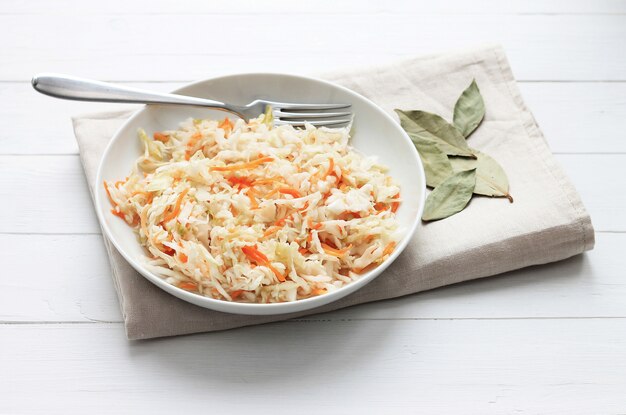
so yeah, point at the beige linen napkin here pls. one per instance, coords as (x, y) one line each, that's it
(546, 223)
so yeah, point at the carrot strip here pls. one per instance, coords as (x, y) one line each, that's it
(183, 258)
(271, 230)
(160, 137)
(236, 294)
(226, 125)
(243, 166)
(336, 252)
(251, 195)
(281, 222)
(257, 256)
(176, 210)
(389, 248)
(318, 291)
(190, 144)
(395, 205)
(290, 191)
(270, 194)
(118, 214)
(312, 225)
(381, 207)
(167, 250)
(188, 286)
(303, 251)
(242, 181)
(304, 207)
(364, 269)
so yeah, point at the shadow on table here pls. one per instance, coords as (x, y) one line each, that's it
(338, 342)
(270, 353)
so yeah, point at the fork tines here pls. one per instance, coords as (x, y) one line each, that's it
(318, 115)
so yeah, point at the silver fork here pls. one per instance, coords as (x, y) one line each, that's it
(69, 87)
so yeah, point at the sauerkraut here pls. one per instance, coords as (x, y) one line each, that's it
(256, 213)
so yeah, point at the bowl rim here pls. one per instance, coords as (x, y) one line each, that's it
(260, 308)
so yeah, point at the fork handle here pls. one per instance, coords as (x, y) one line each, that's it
(79, 89)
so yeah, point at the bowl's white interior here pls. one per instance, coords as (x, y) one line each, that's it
(374, 133)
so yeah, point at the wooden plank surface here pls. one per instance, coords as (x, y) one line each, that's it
(575, 117)
(287, 7)
(128, 47)
(556, 366)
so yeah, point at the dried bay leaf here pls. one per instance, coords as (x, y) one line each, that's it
(427, 126)
(469, 110)
(491, 180)
(451, 196)
(436, 164)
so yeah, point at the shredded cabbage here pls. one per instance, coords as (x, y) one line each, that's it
(253, 213)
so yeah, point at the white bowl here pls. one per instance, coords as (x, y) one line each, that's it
(374, 133)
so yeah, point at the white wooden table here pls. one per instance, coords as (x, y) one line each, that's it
(549, 339)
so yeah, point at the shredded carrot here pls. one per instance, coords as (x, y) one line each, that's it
(270, 194)
(304, 207)
(336, 252)
(236, 294)
(176, 210)
(118, 214)
(120, 182)
(369, 238)
(183, 258)
(257, 256)
(241, 181)
(243, 166)
(191, 144)
(167, 250)
(389, 248)
(281, 222)
(303, 251)
(364, 269)
(226, 125)
(270, 231)
(347, 215)
(318, 291)
(313, 225)
(395, 205)
(233, 210)
(160, 137)
(309, 238)
(290, 191)
(251, 194)
(188, 285)
(381, 207)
